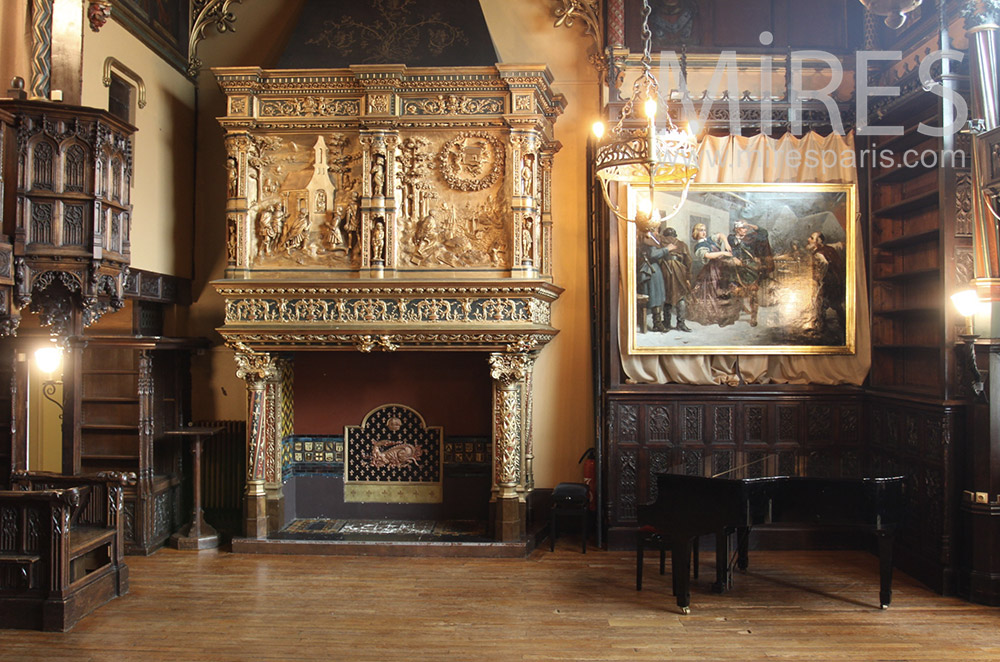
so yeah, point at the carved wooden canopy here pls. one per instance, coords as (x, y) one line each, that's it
(383, 207)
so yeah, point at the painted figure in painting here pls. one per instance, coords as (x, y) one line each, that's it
(675, 264)
(714, 297)
(829, 279)
(754, 263)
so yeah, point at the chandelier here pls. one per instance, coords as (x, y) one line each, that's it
(638, 154)
(895, 11)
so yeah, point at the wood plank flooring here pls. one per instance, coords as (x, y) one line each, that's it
(216, 606)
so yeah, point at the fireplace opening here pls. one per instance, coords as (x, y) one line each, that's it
(388, 444)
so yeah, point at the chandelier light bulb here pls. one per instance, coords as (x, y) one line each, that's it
(650, 108)
(598, 130)
(645, 204)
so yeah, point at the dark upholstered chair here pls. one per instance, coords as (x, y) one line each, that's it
(569, 501)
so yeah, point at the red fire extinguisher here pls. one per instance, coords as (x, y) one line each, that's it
(590, 476)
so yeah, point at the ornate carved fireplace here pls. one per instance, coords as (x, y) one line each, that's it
(384, 208)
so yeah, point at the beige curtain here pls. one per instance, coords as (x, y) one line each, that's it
(760, 159)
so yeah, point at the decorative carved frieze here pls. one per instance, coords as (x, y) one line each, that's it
(454, 104)
(362, 342)
(309, 106)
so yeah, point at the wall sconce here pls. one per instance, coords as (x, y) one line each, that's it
(48, 359)
(968, 304)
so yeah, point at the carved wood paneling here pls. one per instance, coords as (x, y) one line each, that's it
(915, 440)
(753, 421)
(724, 423)
(785, 434)
(658, 424)
(788, 423)
(693, 417)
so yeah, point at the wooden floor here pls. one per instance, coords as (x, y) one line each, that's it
(216, 606)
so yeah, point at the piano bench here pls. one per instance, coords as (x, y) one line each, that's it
(569, 500)
(648, 536)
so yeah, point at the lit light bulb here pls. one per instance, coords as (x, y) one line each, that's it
(966, 301)
(645, 204)
(598, 130)
(650, 108)
(48, 359)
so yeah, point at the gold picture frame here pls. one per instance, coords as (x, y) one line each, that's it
(772, 272)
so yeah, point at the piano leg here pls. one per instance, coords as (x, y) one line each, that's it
(743, 548)
(680, 561)
(640, 544)
(885, 568)
(695, 551)
(722, 578)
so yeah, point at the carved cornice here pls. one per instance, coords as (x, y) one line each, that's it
(292, 339)
(417, 88)
(380, 309)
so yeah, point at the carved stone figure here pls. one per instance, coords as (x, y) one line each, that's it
(378, 175)
(426, 234)
(351, 222)
(527, 238)
(330, 232)
(296, 231)
(231, 169)
(378, 241)
(269, 222)
(527, 177)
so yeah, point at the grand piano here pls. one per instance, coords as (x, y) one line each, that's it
(688, 507)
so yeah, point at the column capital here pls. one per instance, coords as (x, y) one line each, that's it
(508, 369)
(253, 366)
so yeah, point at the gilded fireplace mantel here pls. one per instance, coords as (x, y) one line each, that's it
(511, 315)
(387, 208)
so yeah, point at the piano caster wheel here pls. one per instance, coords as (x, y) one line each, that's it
(685, 610)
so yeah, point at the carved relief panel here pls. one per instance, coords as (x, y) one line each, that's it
(387, 169)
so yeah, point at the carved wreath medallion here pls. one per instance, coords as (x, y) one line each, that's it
(472, 161)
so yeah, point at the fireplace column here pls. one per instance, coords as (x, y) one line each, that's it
(278, 416)
(512, 479)
(257, 369)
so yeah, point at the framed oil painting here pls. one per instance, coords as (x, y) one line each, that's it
(744, 269)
